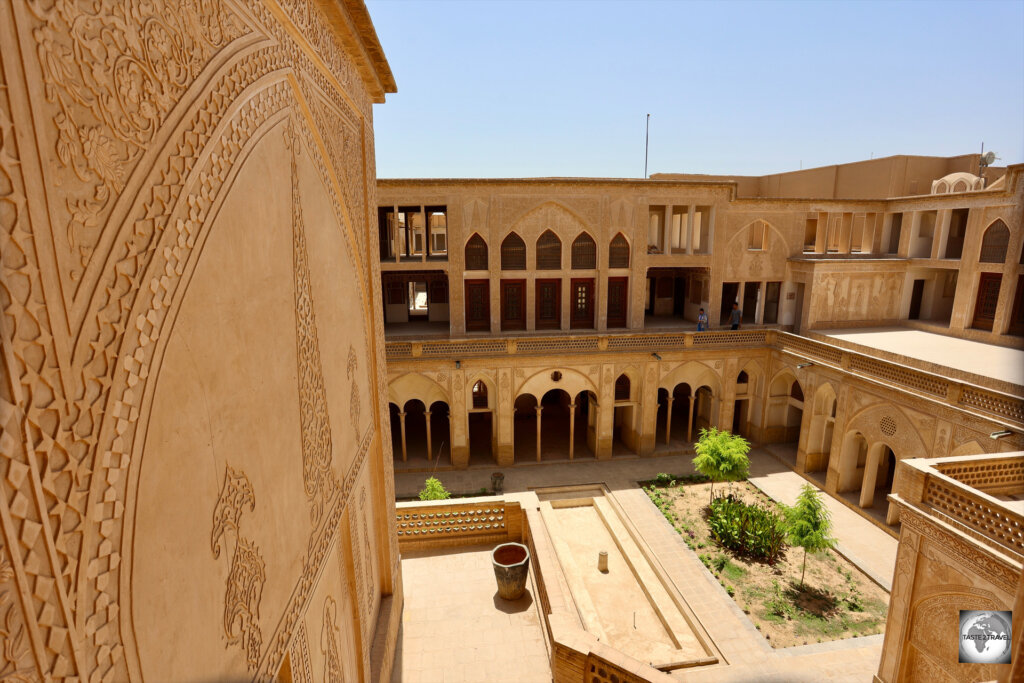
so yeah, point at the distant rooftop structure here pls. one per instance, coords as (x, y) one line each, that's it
(895, 176)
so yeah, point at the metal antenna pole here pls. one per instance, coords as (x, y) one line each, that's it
(647, 140)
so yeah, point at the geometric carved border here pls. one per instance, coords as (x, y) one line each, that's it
(986, 566)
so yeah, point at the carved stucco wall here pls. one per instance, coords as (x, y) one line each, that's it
(190, 446)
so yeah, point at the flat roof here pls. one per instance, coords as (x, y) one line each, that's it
(988, 360)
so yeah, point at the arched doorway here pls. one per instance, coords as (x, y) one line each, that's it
(703, 409)
(879, 468)
(679, 425)
(524, 426)
(415, 430)
(785, 409)
(555, 424)
(439, 435)
(584, 440)
(625, 438)
(482, 448)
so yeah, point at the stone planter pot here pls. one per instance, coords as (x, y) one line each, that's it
(511, 565)
(497, 481)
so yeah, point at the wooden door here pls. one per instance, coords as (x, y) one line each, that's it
(513, 304)
(582, 315)
(549, 304)
(618, 297)
(1017, 316)
(916, 294)
(478, 306)
(988, 297)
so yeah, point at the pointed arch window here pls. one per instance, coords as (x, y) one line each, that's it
(479, 394)
(513, 253)
(618, 252)
(584, 253)
(622, 388)
(549, 251)
(995, 243)
(476, 253)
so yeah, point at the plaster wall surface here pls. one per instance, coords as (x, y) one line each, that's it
(196, 483)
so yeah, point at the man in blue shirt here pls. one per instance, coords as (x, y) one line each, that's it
(735, 316)
(702, 321)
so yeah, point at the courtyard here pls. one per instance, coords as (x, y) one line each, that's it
(440, 614)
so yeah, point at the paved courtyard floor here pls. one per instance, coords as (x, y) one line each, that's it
(988, 360)
(462, 578)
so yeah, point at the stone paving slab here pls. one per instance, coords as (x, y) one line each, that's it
(456, 630)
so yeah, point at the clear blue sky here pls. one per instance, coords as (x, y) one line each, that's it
(488, 88)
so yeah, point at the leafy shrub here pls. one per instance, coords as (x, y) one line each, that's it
(721, 456)
(433, 490)
(662, 479)
(809, 525)
(755, 530)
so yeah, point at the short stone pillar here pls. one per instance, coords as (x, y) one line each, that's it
(602, 561)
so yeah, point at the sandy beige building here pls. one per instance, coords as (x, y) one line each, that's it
(194, 483)
(544, 319)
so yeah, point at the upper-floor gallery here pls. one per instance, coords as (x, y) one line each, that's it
(464, 257)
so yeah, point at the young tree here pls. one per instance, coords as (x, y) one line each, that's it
(809, 524)
(433, 490)
(721, 456)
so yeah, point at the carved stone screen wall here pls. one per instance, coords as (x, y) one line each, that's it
(194, 483)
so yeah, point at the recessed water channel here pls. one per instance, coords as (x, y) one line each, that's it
(632, 607)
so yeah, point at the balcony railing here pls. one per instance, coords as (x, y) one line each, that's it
(962, 490)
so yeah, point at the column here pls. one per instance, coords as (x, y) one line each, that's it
(401, 418)
(668, 419)
(395, 239)
(689, 229)
(538, 409)
(667, 232)
(867, 486)
(426, 234)
(430, 452)
(572, 428)
(692, 418)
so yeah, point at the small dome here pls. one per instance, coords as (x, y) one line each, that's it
(956, 182)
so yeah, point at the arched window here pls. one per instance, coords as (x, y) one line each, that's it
(618, 253)
(796, 392)
(476, 253)
(549, 251)
(994, 243)
(479, 394)
(742, 378)
(622, 388)
(513, 253)
(584, 253)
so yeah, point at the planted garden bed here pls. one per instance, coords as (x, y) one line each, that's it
(743, 547)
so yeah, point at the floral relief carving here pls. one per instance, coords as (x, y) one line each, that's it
(114, 70)
(16, 663)
(248, 570)
(333, 672)
(318, 476)
(351, 368)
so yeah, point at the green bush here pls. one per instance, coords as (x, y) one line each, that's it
(433, 490)
(755, 530)
(662, 478)
(721, 456)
